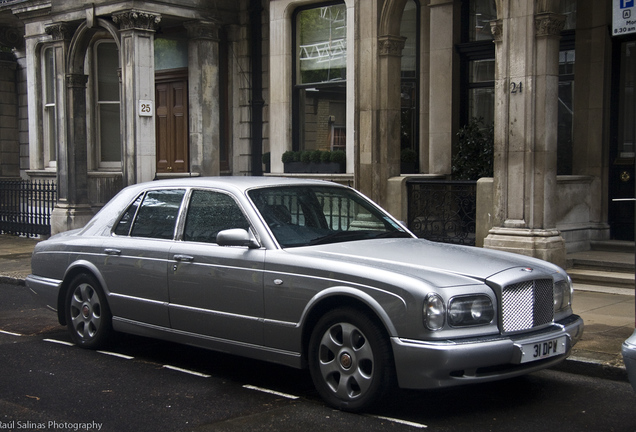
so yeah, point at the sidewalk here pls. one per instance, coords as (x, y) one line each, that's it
(608, 314)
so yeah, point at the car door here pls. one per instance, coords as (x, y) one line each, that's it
(135, 263)
(215, 291)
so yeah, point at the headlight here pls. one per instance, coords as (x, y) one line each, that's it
(562, 295)
(470, 311)
(434, 312)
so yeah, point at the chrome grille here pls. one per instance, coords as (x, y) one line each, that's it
(526, 305)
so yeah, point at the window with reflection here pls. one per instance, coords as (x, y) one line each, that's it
(108, 134)
(320, 77)
(409, 85)
(153, 215)
(49, 128)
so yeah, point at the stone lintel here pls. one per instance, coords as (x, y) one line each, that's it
(545, 244)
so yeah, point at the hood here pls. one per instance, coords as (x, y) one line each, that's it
(438, 263)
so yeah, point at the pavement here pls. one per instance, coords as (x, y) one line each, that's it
(608, 314)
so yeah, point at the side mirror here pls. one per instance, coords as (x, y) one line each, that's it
(237, 237)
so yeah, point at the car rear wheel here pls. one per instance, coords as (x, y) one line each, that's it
(350, 360)
(87, 314)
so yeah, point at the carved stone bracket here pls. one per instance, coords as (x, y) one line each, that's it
(391, 45)
(58, 31)
(137, 20)
(76, 80)
(203, 29)
(549, 24)
(496, 28)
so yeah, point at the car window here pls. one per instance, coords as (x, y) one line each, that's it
(155, 216)
(300, 216)
(123, 227)
(210, 212)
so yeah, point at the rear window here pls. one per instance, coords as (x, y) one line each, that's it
(152, 215)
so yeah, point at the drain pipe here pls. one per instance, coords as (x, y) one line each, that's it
(257, 102)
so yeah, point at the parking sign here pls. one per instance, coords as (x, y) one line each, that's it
(624, 17)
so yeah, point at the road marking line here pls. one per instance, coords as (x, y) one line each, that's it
(403, 422)
(123, 356)
(260, 389)
(178, 369)
(59, 342)
(10, 333)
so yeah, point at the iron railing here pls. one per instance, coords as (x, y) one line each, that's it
(26, 206)
(443, 211)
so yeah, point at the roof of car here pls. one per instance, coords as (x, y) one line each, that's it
(236, 182)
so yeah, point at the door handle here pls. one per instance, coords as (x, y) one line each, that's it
(110, 251)
(183, 258)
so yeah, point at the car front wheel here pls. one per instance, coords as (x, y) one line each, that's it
(87, 314)
(350, 360)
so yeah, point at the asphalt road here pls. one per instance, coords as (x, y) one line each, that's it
(140, 384)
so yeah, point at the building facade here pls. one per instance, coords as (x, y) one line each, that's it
(115, 93)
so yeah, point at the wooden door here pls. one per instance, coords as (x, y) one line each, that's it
(171, 99)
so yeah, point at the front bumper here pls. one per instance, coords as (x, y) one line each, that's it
(427, 365)
(629, 357)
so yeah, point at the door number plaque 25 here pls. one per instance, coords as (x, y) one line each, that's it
(145, 108)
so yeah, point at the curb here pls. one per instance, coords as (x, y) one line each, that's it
(592, 368)
(12, 280)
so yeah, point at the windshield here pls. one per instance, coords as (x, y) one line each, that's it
(311, 215)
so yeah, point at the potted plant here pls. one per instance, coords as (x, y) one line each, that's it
(474, 155)
(314, 161)
(408, 161)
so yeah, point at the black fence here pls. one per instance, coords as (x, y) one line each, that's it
(26, 206)
(443, 211)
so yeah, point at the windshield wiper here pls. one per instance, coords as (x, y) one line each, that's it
(339, 236)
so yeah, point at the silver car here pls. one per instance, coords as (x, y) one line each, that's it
(308, 274)
(629, 357)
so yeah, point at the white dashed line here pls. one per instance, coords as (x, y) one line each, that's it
(178, 369)
(402, 422)
(10, 333)
(285, 395)
(59, 342)
(122, 356)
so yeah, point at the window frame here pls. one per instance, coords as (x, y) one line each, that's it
(97, 105)
(297, 88)
(49, 109)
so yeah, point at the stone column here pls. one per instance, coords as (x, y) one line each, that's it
(386, 154)
(203, 93)
(137, 30)
(526, 94)
(442, 92)
(72, 209)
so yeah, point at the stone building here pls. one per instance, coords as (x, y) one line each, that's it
(114, 93)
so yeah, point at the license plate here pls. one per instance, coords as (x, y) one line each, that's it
(542, 350)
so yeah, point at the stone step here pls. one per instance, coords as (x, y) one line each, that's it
(617, 279)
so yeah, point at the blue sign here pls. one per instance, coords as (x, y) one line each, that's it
(627, 4)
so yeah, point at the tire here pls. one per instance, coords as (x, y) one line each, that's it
(88, 317)
(350, 360)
